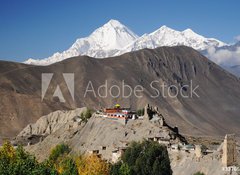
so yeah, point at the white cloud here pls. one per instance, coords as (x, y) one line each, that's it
(237, 38)
(224, 56)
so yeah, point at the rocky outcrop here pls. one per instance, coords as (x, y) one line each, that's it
(50, 123)
(105, 135)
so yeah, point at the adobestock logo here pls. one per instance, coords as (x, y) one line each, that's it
(67, 78)
(124, 90)
(109, 90)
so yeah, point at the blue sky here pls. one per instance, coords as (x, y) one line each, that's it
(39, 28)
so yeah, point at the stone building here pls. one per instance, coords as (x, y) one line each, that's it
(198, 152)
(229, 157)
(151, 112)
(117, 153)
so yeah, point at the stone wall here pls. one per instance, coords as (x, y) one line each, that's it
(229, 157)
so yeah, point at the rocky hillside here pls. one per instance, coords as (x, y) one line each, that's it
(20, 102)
(101, 132)
(215, 112)
(50, 123)
(105, 135)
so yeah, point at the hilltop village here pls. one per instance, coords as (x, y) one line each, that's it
(109, 132)
(167, 135)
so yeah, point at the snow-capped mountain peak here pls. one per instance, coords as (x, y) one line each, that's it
(114, 23)
(103, 42)
(113, 35)
(188, 31)
(114, 38)
(164, 28)
(165, 36)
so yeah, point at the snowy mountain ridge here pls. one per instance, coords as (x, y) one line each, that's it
(103, 42)
(114, 38)
(166, 36)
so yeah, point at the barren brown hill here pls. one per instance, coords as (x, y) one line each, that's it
(215, 112)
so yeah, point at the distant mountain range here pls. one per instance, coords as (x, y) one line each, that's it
(114, 38)
(234, 70)
(105, 41)
(227, 57)
(216, 112)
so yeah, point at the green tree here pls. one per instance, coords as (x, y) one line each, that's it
(140, 112)
(68, 166)
(125, 169)
(24, 163)
(86, 115)
(7, 156)
(92, 165)
(18, 162)
(144, 159)
(58, 151)
(61, 161)
(115, 168)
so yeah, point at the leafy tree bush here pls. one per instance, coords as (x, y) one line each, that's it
(18, 162)
(125, 169)
(115, 169)
(7, 155)
(92, 165)
(67, 166)
(58, 151)
(140, 112)
(143, 159)
(86, 115)
(61, 161)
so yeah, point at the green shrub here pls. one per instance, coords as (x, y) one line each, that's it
(68, 166)
(18, 162)
(143, 159)
(140, 112)
(86, 115)
(58, 151)
(115, 169)
(125, 169)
